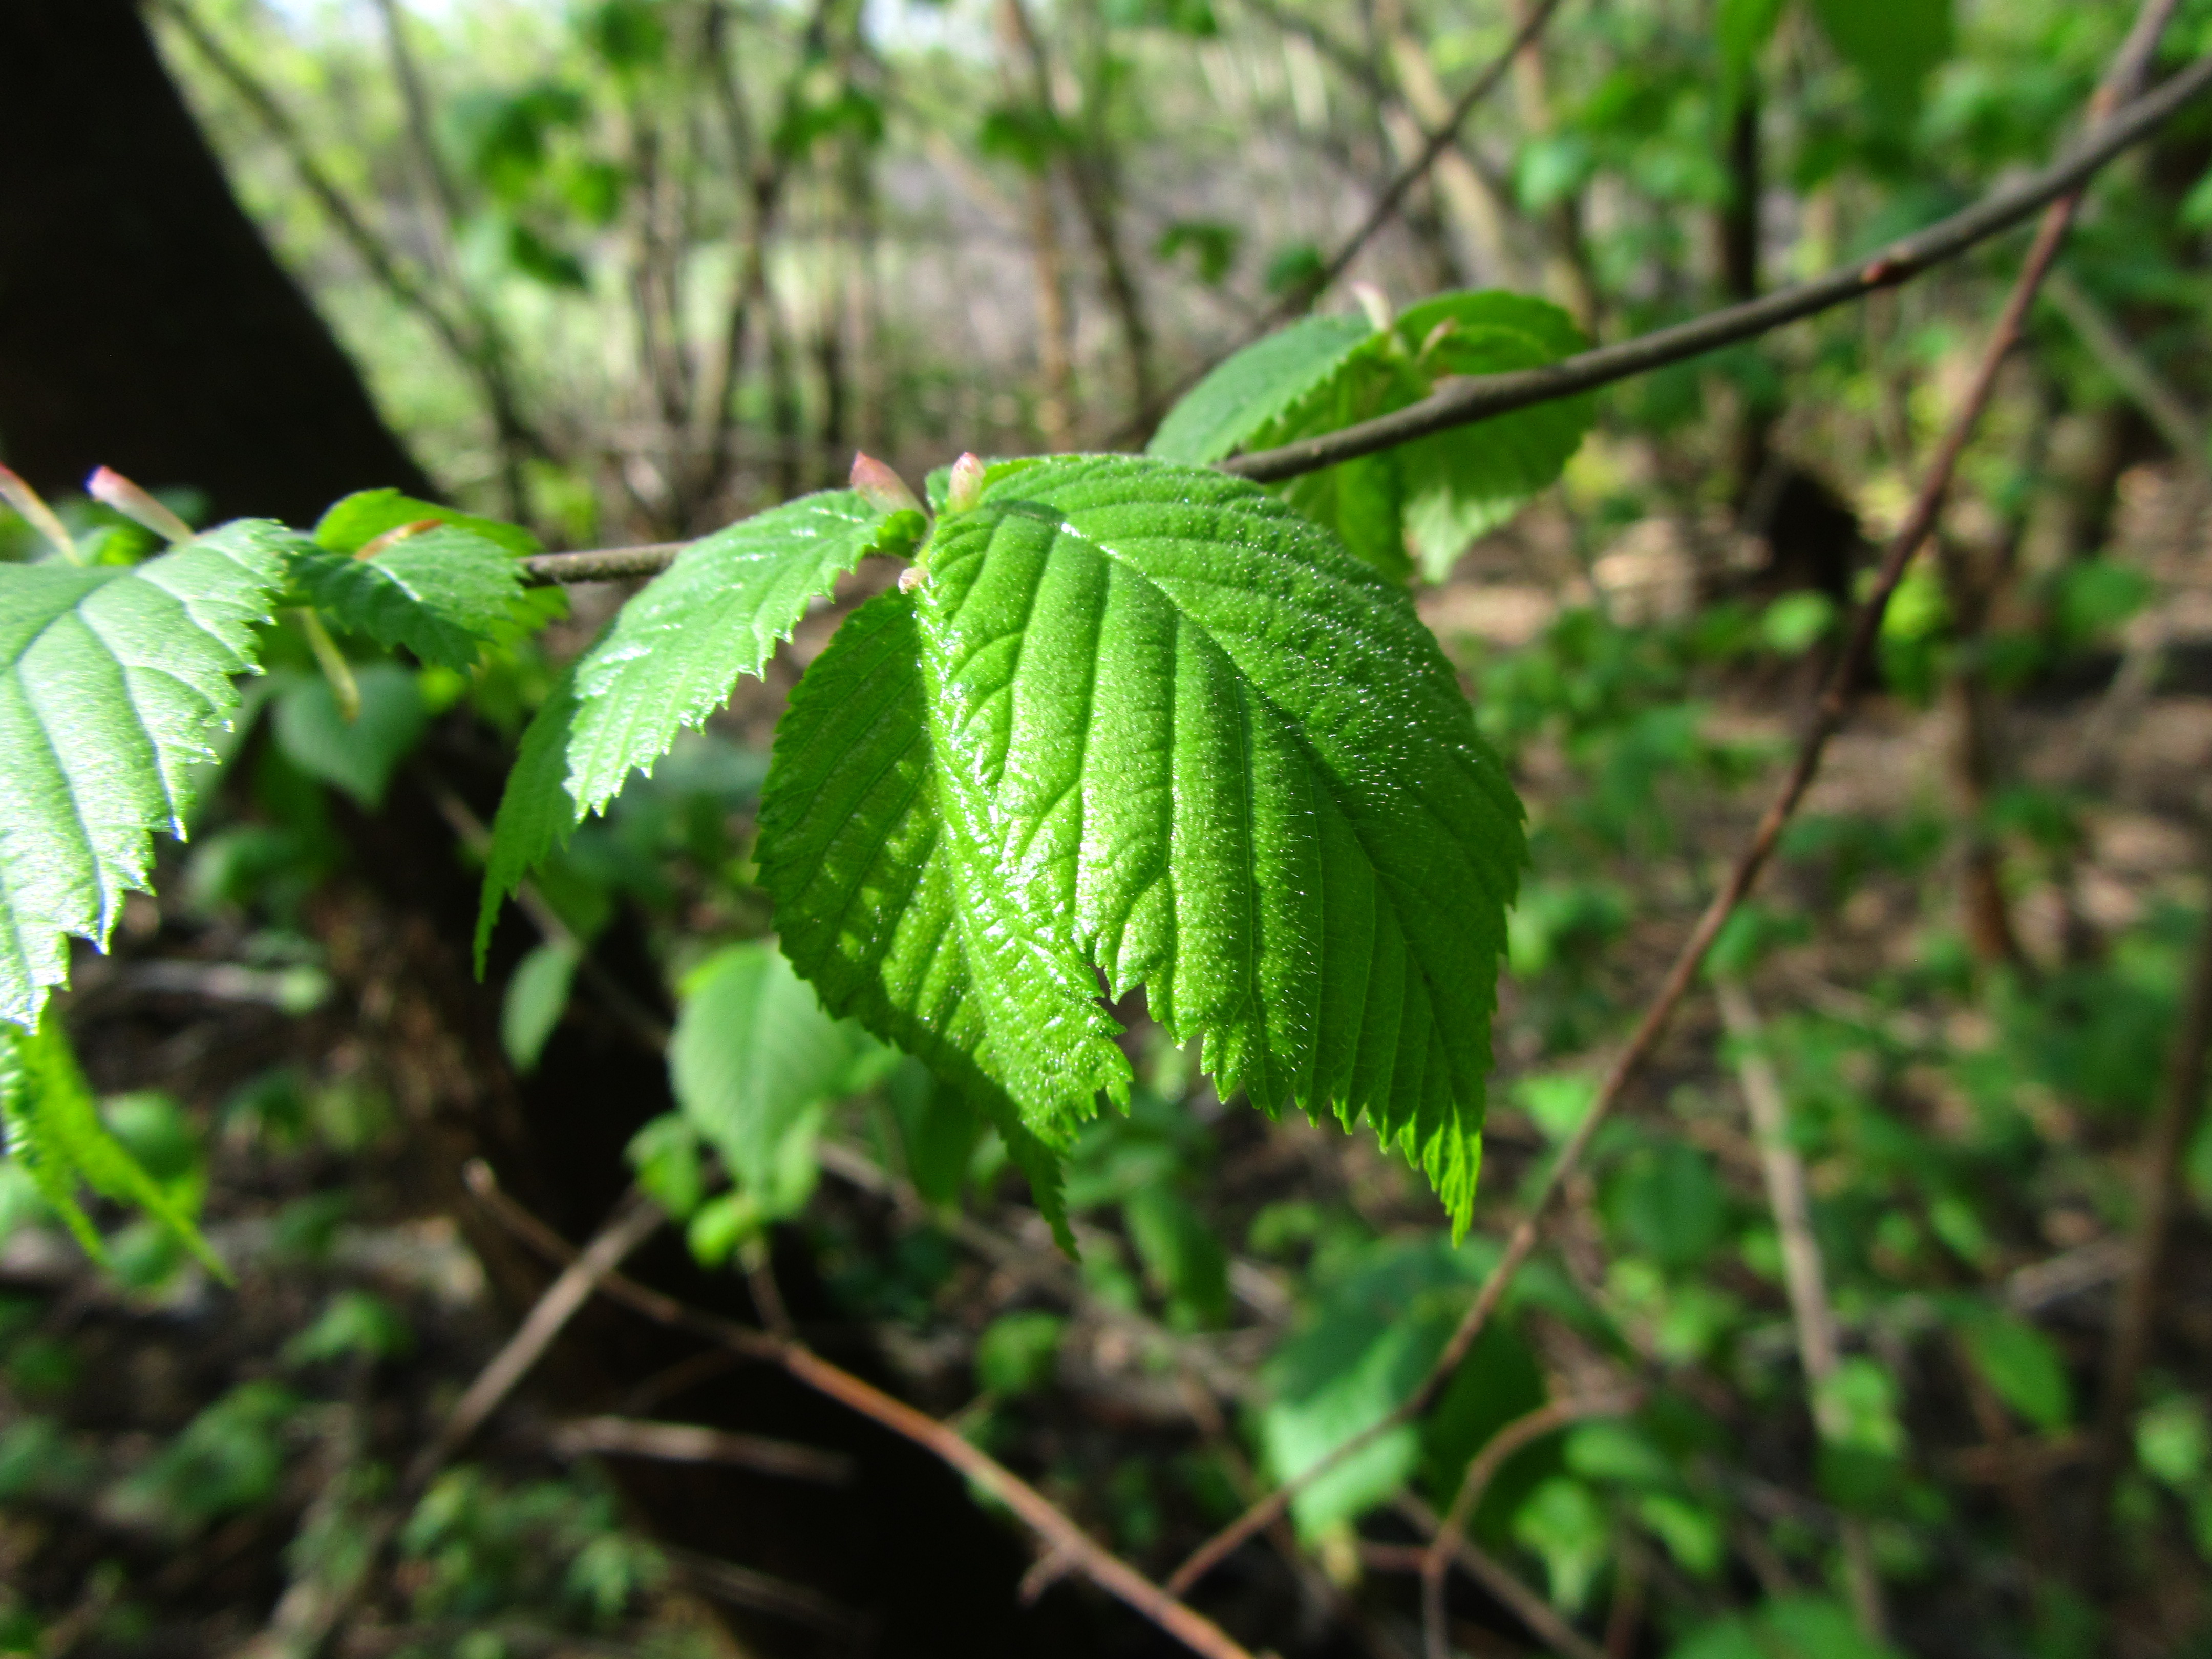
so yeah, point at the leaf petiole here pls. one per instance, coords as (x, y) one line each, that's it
(332, 662)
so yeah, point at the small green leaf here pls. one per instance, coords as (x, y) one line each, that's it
(1894, 44)
(536, 998)
(113, 684)
(1018, 1353)
(754, 1061)
(1440, 492)
(1144, 724)
(353, 523)
(442, 593)
(1245, 392)
(2023, 1365)
(1181, 1254)
(55, 1132)
(667, 662)
(717, 613)
(357, 756)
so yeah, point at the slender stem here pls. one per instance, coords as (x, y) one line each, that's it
(1060, 1533)
(2176, 423)
(1442, 1549)
(331, 661)
(1810, 1311)
(1532, 1609)
(2180, 1106)
(1832, 708)
(1479, 397)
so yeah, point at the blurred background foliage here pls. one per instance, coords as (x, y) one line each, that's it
(622, 270)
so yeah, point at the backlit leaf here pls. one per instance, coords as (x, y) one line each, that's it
(114, 682)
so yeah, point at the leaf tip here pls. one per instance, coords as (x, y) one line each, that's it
(1377, 304)
(881, 488)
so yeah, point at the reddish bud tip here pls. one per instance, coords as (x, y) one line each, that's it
(40, 517)
(881, 488)
(112, 489)
(912, 577)
(966, 486)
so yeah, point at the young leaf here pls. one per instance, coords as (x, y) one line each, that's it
(54, 1130)
(441, 594)
(1439, 492)
(113, 682)
(1247, 391)
(755, 1060)
(1144, 723)
(353, 523)
(358, 754)
(536, 998)
(668, 661)
(718, 612)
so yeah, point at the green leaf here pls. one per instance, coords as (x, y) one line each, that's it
(1359, 1357)
(2023, 1365)
(718, 612)
(667, 662)
(1440, 492)
(754, 1061)
(1894, 44)
(55, 1132)
(357, 756)
(1181, 1254)
(1144, 723)
(1018, 1353)
(1741, 29)
(113, 684)
(353, 523)
(442, 593)
(1253, 387)
(536, 998)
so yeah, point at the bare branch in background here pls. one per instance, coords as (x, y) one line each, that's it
(1838, 698)
(1479, 397)
(1811, 1314)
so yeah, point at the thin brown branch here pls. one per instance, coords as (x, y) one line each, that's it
(2180, 1106)
(1058, 1532)
(1435, 143)
(1838, 697)
(692, 1442)
(1479, 397)
(483, 357)
(1494, 1575)
(2176, 423)
(1443, 1550)
(1803, 1273)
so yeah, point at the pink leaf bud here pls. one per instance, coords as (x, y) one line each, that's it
(112, 489)
(966, 487)
(881, 488)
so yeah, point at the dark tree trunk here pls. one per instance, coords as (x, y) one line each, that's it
(143, 322)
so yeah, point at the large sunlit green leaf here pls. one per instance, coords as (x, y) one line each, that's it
(1145, 725)
(113, 683)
